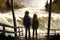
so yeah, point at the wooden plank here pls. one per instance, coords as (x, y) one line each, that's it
(54, 29)
(8, 31)
(2, 24)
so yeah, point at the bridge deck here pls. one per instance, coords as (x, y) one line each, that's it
(31, 38)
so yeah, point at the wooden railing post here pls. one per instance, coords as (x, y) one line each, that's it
(19, 31)
(49, 18)
(4, 30)
(14, 19)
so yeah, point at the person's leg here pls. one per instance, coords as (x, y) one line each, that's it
(36, 32)
(29, 32)
(26, 32)
(33, 32)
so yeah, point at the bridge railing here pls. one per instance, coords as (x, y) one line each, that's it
(5, 31)
(54, 30)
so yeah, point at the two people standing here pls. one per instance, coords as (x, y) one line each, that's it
(27, 23)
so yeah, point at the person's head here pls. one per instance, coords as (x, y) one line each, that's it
(34, 16)
(26, 12)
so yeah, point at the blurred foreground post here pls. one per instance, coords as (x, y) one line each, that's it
(4, 30)
(14, 19)
(49, 19)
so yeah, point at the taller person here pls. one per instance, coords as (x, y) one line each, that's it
(27, 23)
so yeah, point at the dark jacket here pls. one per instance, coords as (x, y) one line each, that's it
(26, 21)
(35, 23)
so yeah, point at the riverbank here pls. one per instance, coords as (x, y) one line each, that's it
(5, 5)
(55, 7)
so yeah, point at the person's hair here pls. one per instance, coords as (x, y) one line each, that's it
(26, 12)
(34, 16)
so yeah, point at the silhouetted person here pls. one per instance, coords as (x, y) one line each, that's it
(27, 23)
(35, 24)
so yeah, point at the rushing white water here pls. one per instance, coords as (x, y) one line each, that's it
(32, 7)
(42, 16)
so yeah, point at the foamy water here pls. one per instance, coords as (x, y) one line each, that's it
(42, 16)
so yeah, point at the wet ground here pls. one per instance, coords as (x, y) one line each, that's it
(32, 39)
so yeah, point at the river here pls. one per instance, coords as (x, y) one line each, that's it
(32, 7)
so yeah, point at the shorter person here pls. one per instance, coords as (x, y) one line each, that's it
(35, 24)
